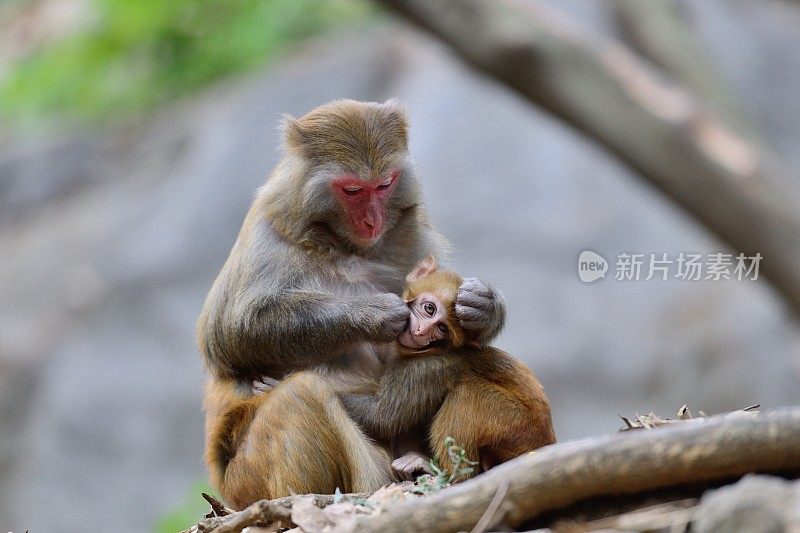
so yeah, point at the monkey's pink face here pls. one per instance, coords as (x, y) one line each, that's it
(427, 322)
(364, 203)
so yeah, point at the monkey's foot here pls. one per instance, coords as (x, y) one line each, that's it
(411, 465)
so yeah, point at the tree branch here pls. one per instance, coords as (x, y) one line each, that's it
(657, 128)
(660, 31)
(697, 450)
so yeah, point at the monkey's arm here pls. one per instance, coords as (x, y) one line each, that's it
(296, 329)
(384, 417)
(481, 309)
(408, 394)
(364, 409)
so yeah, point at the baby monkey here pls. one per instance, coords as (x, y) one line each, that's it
(442, 380)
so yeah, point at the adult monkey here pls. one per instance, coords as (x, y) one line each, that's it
(312, 283)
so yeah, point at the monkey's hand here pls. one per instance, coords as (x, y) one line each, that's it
(481, 309)
(411, 465)
(263, 384)
(387, 314)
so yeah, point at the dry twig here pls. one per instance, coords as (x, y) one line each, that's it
(652, 420)
(217, 507)
(262, 513)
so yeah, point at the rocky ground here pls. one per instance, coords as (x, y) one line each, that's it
(110, 241)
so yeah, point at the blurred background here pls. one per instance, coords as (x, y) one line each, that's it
(134, 133)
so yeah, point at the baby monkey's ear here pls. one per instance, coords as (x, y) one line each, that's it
(423, 268)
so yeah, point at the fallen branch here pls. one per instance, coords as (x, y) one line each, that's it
(263, 512)
(658, 129)
(706, 449)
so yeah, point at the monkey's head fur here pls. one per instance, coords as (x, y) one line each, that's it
(346, 176)
(431, 295)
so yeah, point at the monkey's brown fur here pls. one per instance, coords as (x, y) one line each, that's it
(301, 299)
(489, 402)
(258, 447)
(298, 297)
(498, 411)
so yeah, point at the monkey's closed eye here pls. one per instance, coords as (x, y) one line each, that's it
(351, 191)
(429, 308)
(442, 327)
(385, 185)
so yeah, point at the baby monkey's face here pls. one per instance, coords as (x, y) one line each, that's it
(431, 295)
(428, 322)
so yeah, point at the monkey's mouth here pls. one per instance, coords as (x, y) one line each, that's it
(407, 340)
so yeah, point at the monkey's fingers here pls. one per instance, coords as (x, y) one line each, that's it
(476, 287)
(263, 384)
(270, 382)
(480, 308)
(476, 300)
(475, 304)
(472, 318)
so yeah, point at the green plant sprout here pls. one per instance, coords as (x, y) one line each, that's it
(460, 465)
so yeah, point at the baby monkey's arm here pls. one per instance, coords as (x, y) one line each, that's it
(409, 393)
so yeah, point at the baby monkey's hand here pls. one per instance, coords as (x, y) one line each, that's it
(263, 384)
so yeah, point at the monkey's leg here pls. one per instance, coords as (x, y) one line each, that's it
(457, 418)
(301, 441)
(490, 423)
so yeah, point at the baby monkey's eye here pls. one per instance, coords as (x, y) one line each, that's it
(442, 327)
(429, 308)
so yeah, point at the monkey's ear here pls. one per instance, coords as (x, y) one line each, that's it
(423, 268)
(293, 133)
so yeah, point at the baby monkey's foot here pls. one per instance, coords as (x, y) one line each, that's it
(411, 465)
(263, 384)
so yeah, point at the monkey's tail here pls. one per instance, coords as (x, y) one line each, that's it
(229, 431)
